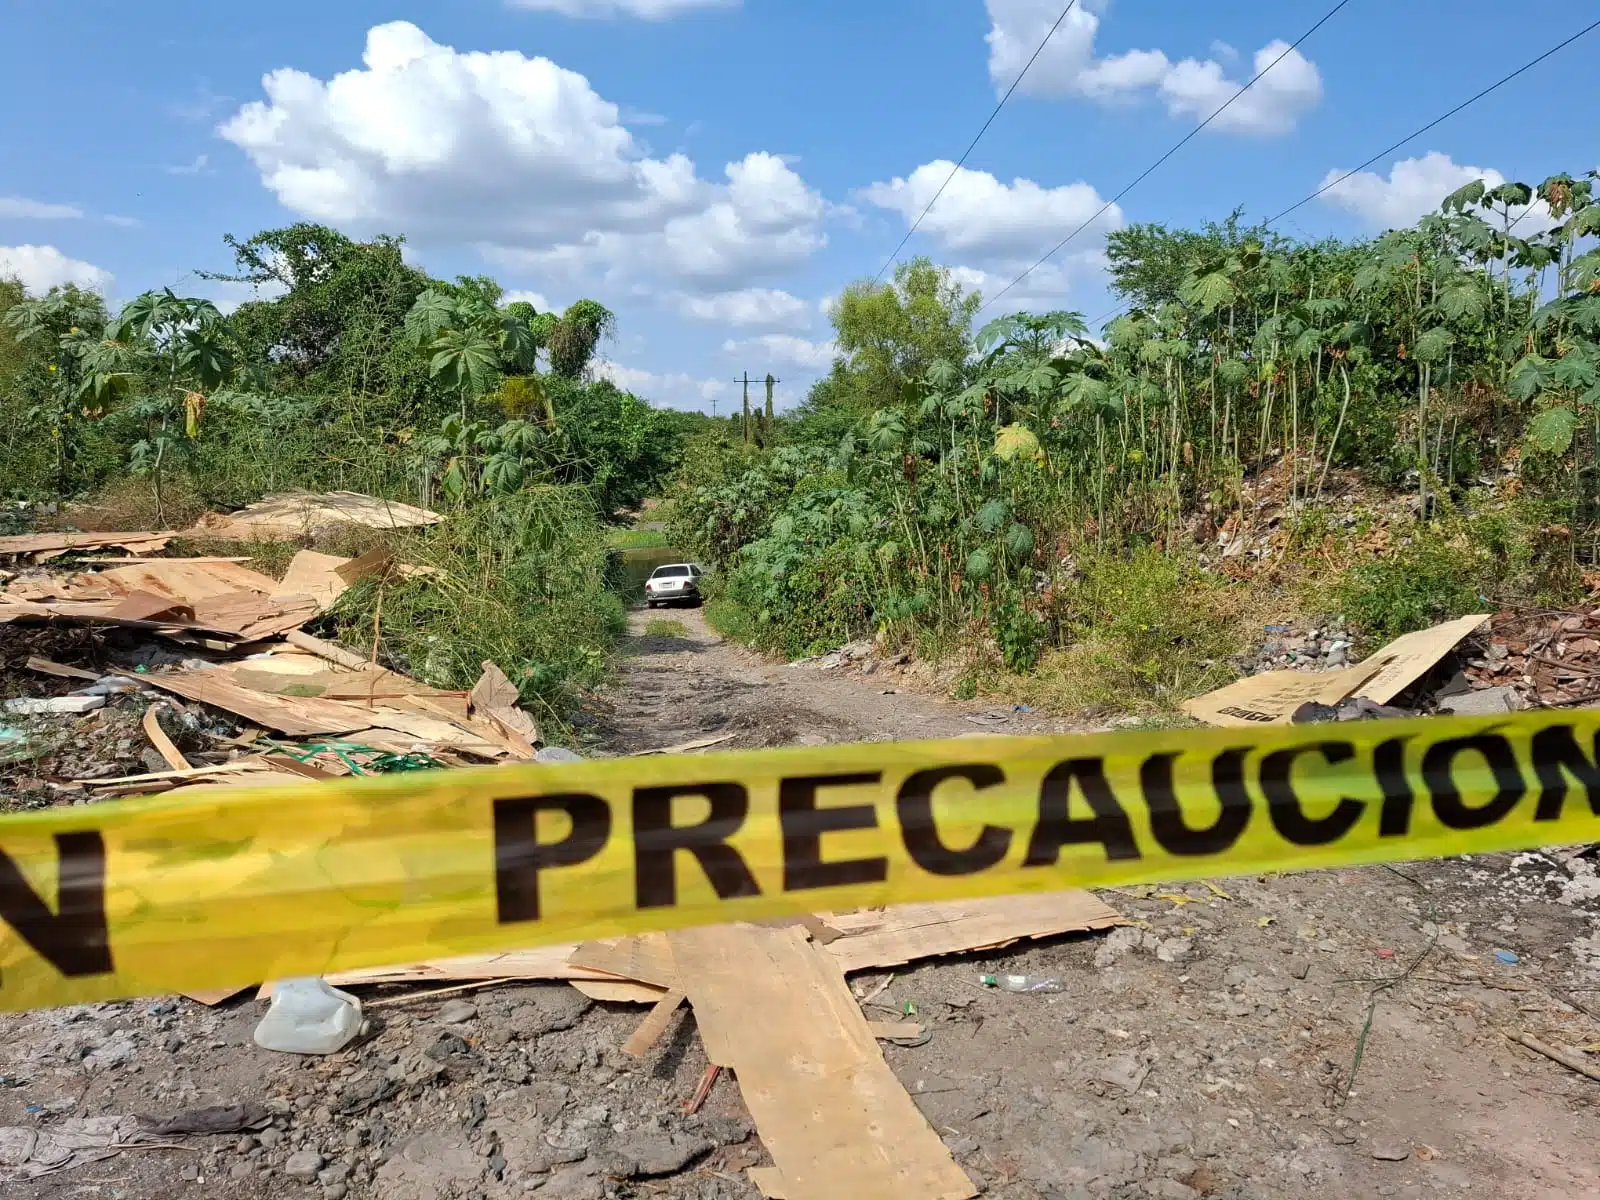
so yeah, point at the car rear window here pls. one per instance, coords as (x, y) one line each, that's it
(664, 572)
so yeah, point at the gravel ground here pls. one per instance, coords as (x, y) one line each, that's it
(1338, 1034)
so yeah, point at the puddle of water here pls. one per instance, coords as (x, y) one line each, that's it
(634, 567)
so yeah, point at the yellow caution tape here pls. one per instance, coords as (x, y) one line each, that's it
(159, 895)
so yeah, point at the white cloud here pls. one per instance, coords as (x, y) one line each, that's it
(21, 208)
(122, 222)
(979, 217)
(523, 158)
(675, 390)
(1068, 67)
(540, 304)
(42, 267)
(1290, 88)
(200, 165)
(783, 348)
(650, 10)
(990, 232)
(745, 307)
(1414, 188)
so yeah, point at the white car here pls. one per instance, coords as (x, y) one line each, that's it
(676, 581)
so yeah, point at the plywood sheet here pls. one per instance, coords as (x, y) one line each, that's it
(775, 1009)
(314, 575)
(293, 514)
(57, 543)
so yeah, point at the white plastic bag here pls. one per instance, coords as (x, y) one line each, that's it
(308, 1017)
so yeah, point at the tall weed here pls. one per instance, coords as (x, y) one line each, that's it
(518, 580)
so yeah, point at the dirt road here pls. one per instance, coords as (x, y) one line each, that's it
(1333, 1036)
(691, 684)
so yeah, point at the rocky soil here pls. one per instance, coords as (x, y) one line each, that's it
(1340, 1034)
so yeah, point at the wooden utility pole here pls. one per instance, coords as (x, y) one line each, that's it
(747, 408)
(753, 423)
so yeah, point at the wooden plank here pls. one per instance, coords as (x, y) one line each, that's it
(322, 649)
(297, 718)
(775, 1009)
(769, 1182)
(653, 1026)
(888, 1031)
(314, 575)
(373, 562)
(150, 606)
(35, 543)
(200, 558)
(876, 938)
(493, 689)
(619, 991)
(60, 670)
(888, 937)
(517, 728)
(541, 962)
(646, 959)
(184, 579)
(159, 739)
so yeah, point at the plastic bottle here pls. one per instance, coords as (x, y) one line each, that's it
(308, 1017)
(1023, 983)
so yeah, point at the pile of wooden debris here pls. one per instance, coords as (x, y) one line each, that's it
(307, 707)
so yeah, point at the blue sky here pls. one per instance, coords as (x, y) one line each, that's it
(714, 170)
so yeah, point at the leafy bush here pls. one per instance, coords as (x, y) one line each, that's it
(1146, 631)
(520, 582)
(1427, 580)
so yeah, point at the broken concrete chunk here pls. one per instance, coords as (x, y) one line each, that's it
(1485, 703)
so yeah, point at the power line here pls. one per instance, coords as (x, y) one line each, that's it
(1411, 137)
(1499, 83)
(1183, 141)
(1040, 50)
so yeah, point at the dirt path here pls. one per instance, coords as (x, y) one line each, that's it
(1330, 1036)
(1212, 1048)
(693, 684)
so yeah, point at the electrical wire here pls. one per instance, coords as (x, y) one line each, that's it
(1499, 83)
(1071, 4)
(1410, 137)
(1143, 175)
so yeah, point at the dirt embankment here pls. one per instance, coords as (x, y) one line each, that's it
(1340, 1034)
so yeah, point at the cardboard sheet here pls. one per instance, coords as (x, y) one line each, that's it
(1271, 698)
(775, 1009)
(886, 937)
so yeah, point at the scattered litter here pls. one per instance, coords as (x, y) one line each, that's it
(1023, 983)
(17, 746)
(1506, 956)
(308, 1017)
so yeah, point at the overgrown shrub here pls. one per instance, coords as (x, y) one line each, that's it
(519, 580)
(1428, 579)
(1143, 633)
